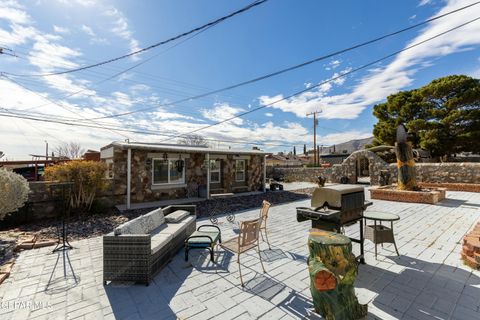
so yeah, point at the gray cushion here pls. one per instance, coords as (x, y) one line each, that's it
(135, 226)
(176, 216)
(159, 241)
(174, 229)
(154, 219)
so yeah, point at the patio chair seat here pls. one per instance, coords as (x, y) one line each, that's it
(232, 245)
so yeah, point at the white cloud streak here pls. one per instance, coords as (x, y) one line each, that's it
(397, 75)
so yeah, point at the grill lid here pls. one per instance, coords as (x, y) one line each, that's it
(332, 195)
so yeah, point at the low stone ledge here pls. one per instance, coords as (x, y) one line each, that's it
(390, 193)
(466, 187)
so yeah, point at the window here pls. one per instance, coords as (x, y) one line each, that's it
(239, 170)
(215, 171)
(170, 171)
(109, 172)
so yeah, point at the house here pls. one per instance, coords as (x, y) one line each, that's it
(91, 155)
(147, 172)
(279, 160)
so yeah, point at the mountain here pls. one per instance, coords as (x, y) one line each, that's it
(349, 146)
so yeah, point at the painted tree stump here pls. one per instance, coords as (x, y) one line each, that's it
(333, 270)
(406, 166)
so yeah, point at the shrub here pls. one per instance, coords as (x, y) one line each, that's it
(13, 192)
(88, 178)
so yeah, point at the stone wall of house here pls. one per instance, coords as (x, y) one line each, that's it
(255, 173)
(195, 177)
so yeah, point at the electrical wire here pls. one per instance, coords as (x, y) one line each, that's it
(9, 114)
(60, 105)
(182, 35)
(276, 73)
(303, 64)
(335, 78)
(290, 96)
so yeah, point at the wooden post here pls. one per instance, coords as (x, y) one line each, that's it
(406, 166)
(333, 270)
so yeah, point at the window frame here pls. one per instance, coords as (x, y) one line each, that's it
(216, 170)
(243, 171)
(168, 176)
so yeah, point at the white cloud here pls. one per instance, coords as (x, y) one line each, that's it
(88, 30)
(268, 114)
(383, 81)
(61, 30)
(12, 12)
(335, 63)
(424, 2)
(222, 112)
(122, 29)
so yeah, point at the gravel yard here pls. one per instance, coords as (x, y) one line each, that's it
(98, 224)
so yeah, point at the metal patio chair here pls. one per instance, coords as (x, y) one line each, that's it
(247, 240)
(264, 216)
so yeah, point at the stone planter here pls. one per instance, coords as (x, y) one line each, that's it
(390, 193)
(466, 187)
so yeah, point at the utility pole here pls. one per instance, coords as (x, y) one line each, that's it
(46, 150)
(315, 123)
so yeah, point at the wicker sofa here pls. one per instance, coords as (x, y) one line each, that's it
(139, 248)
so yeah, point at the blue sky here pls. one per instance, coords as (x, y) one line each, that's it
(51, 35)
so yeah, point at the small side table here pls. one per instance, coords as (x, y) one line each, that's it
(378, 233)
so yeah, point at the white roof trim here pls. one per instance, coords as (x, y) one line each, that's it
(181, 148)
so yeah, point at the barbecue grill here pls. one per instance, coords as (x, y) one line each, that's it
(335, 206)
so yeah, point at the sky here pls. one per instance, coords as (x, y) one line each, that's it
(41, 36)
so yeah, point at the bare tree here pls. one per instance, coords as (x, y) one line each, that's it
(72, 150)
(193, 140)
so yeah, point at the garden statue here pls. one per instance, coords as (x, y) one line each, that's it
(321, 181)
(333, 270)
(405, 162)
(384, 177)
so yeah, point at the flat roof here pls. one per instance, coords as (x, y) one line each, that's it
(179, 148)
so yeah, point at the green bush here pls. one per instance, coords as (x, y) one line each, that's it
(88, 179)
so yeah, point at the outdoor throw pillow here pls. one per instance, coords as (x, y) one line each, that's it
(154, 219)
(176, 216)
(135, 226)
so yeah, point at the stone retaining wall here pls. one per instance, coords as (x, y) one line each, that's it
(451, 173)
(447, 172)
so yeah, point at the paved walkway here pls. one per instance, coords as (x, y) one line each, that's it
(428, 281)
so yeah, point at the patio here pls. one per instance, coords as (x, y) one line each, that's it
(427, 281)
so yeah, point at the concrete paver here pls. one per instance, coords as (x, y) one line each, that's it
(428, 280)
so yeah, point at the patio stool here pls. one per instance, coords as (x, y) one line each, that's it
(206, 237)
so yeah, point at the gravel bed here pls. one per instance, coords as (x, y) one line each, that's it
(97, 225)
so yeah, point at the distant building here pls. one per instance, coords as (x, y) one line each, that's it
(91, 155)
(333, 158)
(277, 160)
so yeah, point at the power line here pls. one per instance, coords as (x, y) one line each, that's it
(146, 132)
(303, 64)
(182, 35)
(335, 78)
(277, 101)
(58, 104)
